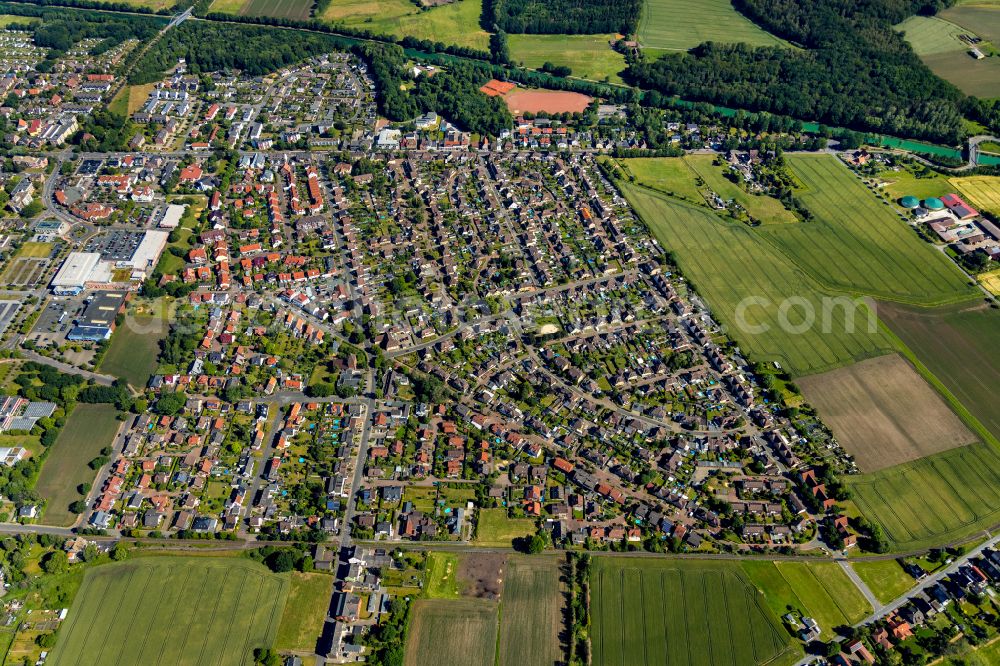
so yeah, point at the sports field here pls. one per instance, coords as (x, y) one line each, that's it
(818, 590)
(134, 349)
(452, 631)
(172, 610)
(885, 578)
(884, 413)
(945, 496)
(679, 25)
(531, 616)
(304, 612)
(769, 305)
(983, 192)
(958, 344)
(681, 612)
(88, 429)
(589, 56)
(496, 529)
(454, 23)
(858, 245)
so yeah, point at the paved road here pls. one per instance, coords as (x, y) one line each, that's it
(861, 585)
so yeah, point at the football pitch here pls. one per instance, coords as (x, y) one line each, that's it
(172, 610)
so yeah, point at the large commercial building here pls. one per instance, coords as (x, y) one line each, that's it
(77, 270)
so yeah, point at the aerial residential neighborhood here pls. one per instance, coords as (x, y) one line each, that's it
(499, 332)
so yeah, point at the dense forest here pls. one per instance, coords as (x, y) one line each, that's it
(453, 93)
(855, 70)
(207, 47)
(562, 17)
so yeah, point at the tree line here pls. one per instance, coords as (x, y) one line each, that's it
(855, 70)
(562, 17)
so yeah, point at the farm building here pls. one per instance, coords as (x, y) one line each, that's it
(958, 207)
(933, 203)
(909, 202)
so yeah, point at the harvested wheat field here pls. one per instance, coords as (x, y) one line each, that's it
(884, 413)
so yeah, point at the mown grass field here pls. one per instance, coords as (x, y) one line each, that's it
(672, 612)
(884, 413)
(902, 183)
(930, 34)
(304, 613)
(134, 349)
(442, 575)
(496, 529)
(918, 504)
(34, 250)
(957, 343)
(670, 175)
(531, 617)
(819, 590)
(748, 284)
(172, 610)
(88, 429)
(589, 56)
(11, 19)
(983, 192)
(452, 631)
(858, 245)
(679, 25)
(455, 23)
(885, 578)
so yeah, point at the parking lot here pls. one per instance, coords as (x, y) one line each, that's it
(115, 245)
(8, 310)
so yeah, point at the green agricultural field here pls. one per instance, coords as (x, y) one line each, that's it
(678, 25)
(305, 611)
(930, 34)
(681, 612)
(531, 617)
(442, 575)
(172, 610)
(134, 349)
(885, 578)
(88, 429)
(452, 631)
(856, 244)
(946, 496)
(819, 590)
(589, 56)
(748, 284)
(496, 529)
(956, 343)
(454, 23)
(291, 9)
